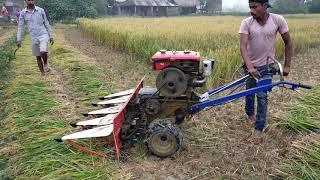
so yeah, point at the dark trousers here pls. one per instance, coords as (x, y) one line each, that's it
(262, 99)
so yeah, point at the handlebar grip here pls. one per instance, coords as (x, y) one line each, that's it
(305, 86)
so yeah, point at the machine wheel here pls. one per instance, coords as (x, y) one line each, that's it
(172, 82)
(163, 138)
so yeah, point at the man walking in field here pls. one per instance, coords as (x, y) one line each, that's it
(257, 43)
(40, 32)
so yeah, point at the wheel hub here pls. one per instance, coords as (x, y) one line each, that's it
(164, 139)
(172, 82)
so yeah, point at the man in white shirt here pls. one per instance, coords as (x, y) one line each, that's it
(40, 33)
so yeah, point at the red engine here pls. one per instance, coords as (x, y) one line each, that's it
(180, 71)
(187, 61)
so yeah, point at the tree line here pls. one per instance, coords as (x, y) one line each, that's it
(69, 9)
(295, 6)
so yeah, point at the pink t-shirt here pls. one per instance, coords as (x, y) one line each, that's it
(261, 43)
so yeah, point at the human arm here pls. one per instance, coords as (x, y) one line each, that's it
(20, 30)
(48, 27)
(285, 35)
(245, 55)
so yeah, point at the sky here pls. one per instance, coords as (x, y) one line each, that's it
(241, 5)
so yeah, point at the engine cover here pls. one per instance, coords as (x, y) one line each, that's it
(186, 61)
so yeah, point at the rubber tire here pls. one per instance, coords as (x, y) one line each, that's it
(167, 128)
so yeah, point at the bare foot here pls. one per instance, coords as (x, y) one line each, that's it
(256, 138)
(46, 68)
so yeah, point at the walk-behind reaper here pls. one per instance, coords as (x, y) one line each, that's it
(153, 114)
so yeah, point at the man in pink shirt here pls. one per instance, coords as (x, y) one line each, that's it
(257, 43)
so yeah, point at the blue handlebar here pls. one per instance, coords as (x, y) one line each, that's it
(265, 85)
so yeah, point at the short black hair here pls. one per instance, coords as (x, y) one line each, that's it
(261, 2)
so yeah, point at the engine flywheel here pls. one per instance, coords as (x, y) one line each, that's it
(172, 82)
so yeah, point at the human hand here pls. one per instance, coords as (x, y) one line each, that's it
(51, 41)
(19, 44)
(253, 72)
(286, 71)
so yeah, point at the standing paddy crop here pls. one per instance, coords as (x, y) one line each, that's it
(213, 36)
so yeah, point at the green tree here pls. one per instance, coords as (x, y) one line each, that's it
(288, 6)
(100, 6)
(66, 9)
(314, 6)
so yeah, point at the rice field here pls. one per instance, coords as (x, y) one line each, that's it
(218, 38)
(303, 162)
(31, 153)
(214, 37)
(305, 116)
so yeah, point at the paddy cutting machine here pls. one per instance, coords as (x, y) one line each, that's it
(154, 113)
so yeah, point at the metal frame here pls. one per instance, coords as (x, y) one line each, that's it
(117, 123)
(264, 84)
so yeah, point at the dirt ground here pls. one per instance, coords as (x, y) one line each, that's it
(214, 140)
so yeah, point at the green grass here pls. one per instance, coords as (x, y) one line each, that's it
(84, 77)
(305, 116)
(6, 54)
(303, 161)
(34, 119)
